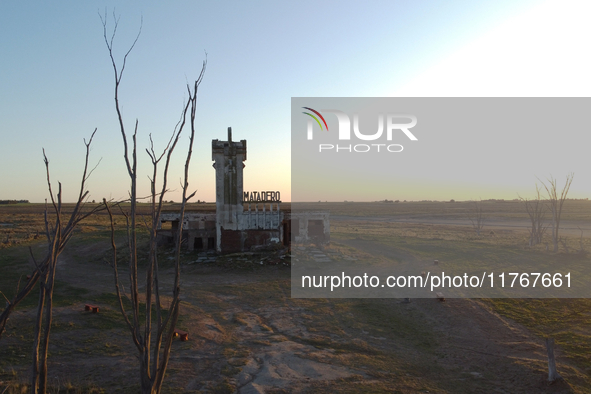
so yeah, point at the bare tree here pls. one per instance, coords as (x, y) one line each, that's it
(58, 232)
(536, 210)
(556, 202)
(152, 338)
(477, 217)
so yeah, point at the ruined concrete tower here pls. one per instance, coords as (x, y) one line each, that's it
(228, 157)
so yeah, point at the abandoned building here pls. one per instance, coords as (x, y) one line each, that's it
(243, 221)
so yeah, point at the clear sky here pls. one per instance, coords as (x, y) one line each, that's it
(56, 81)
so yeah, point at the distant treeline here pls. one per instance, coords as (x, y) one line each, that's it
(14, 201)
(452, 200)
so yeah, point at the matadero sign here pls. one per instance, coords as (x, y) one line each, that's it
(261, 197)
(242, 221)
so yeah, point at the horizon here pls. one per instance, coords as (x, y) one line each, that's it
(385, 201)
(58, 84)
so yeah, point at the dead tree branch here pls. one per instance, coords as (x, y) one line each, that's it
(536, 210)
(477, 217)
(556, 202)
(58, 233)
(152, 337)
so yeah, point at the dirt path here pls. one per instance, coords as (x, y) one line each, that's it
(477, 344)
(570, 228)
(276, 344)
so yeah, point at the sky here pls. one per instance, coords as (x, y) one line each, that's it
(57, 83)
(472, 147)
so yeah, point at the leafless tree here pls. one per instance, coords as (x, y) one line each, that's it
(477, 217)
(556, 202)
(58, 231)
(153, 337)
(536, 210)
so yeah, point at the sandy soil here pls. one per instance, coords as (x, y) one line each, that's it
(570, 228)
(476, 348)
(272, 348)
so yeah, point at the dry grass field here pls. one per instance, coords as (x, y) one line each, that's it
(247, 335)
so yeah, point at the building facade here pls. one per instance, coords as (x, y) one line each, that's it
(243, 221)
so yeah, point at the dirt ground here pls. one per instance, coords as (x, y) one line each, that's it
(567, 227)
(247, 335)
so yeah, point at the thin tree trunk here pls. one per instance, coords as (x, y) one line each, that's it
(57, 238)
(154, 345)
(24, 292)
(48, 320)
(37, 339)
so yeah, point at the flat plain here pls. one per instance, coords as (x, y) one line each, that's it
(248, 335)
